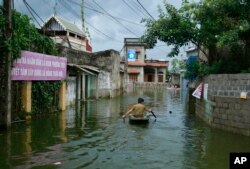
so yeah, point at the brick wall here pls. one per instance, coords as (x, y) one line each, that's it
(224, 108)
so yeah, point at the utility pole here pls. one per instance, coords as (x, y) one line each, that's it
(82, 16)
(54, 8)
(5, 68)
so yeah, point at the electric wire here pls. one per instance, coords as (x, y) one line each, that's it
(66, 6)
(139, 8)
(145, 10)
(33, 11)
(115, 19)
(97, 11)
(30, 11)
(130, 7)
(103, 33)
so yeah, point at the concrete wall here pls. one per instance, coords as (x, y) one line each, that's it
(224, 108)
(104, 84)
(109, 63)
(71, 90)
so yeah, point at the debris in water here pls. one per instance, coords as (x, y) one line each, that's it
(57, 163)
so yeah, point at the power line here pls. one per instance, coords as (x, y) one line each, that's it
(115, 19)
(33, 10)
(130, 6)
(30, 11)
(97, 30)
(65, 5)
(125, 20)
(145, 10)
(138, 8)
(97, 11)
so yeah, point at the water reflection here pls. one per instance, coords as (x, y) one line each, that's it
(93, 135)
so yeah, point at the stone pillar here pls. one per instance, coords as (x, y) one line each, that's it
(26, 96)
(62, 96)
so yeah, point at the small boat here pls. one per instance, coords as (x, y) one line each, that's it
(138, 120)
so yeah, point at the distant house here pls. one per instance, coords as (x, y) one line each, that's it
(66, 34)
(139, 68)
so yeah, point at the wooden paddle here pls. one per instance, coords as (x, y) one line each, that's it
(153, 113)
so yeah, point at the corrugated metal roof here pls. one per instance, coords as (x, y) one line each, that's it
(85, 68)
(95, 69)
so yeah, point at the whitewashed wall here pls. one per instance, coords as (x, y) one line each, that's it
(71, 90)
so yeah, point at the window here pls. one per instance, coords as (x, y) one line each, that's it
(150, 78)
(133, 77)
(160, 78)
(71, 34)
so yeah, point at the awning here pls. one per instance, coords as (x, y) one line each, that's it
(91, 68)
(86, 69)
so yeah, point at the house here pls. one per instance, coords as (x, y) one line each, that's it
(66, 34)
(140, 69)
(93, 75)
(89, 75)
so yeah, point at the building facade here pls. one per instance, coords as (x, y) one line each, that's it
(140, 69)
(89, 75)
(66, 34)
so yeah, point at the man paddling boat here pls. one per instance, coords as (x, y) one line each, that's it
(137, 110)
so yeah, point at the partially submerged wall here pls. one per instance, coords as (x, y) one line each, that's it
(223, 107)
(109, 61)
(110, 78)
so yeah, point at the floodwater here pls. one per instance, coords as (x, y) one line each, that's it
(94, 136)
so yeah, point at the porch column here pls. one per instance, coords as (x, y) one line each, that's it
(62, 126)
(97, 88)
(156, 76)
(78, 87)
(83, 87)
(164, 76)
(62, 96)
(26, 96)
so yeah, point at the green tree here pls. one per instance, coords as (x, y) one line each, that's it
(177, 65)
(212, 24)
(171, 27)
(27, 37)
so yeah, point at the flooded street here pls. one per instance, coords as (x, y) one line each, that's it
(94, 136)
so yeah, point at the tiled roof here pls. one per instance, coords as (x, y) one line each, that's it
(151, 64)
(133, 71)
(157, 64)
(136, 63)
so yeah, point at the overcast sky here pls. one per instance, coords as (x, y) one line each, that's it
(108, 21)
